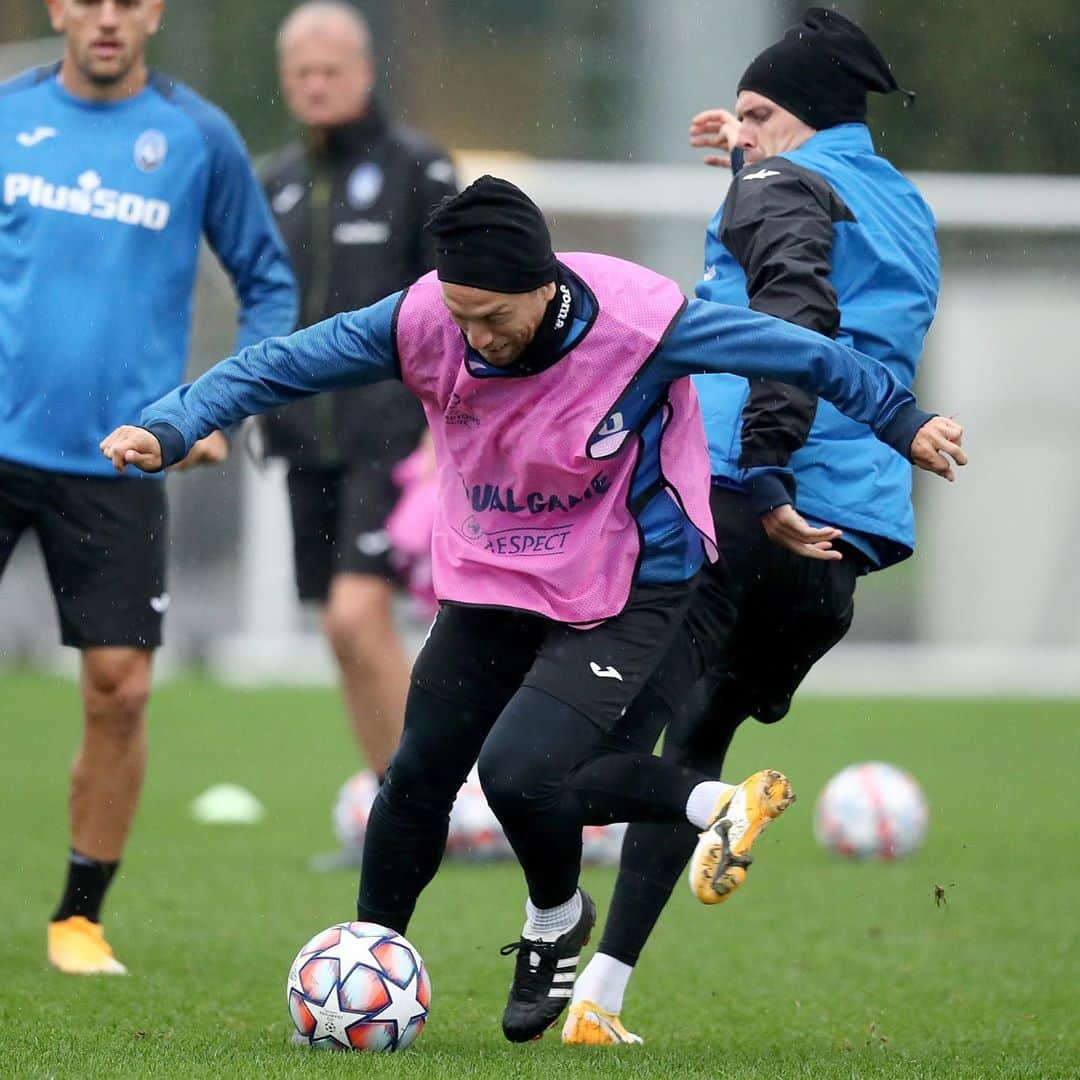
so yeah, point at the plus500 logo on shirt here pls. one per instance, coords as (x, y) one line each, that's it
(89, 199)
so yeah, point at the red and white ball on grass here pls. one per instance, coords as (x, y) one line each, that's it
(601, 845)
(352, 808)
(358, 986)
(475, 833)
(871, 811)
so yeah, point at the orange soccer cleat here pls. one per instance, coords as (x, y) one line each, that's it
(722, 855)
(77, 946)
(589, 1025)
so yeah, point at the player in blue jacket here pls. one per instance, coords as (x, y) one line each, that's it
(110, 174)
(819, 230)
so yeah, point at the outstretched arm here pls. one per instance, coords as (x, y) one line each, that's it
(348, 350)
(716, 338)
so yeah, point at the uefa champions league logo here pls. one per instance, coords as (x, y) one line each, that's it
(150, 150)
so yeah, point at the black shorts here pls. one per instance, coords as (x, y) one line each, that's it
(762, 615)
(338, 518)
(479, 657)
(104, 545)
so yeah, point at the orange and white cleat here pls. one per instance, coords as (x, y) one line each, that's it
(77, 946)
(589, 1025)
(722, 856)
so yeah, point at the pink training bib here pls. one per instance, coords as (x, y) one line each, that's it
(535, 471)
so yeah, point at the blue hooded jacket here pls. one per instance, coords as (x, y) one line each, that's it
(832, 236)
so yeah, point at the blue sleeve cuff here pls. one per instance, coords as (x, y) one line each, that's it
(768, 488)
(173, 447)
(900, 430)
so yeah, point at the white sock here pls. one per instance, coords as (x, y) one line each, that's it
(701, 806)
(603, 982)
(546, 924)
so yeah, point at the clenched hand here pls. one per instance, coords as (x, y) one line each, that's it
(129, 445)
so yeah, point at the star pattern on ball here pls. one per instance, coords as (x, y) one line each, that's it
(373, 987)
(404, 1005)
(331, 1022)
(352, 950)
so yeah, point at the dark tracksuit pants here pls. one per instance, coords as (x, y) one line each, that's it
(544, 708)
(759, 620)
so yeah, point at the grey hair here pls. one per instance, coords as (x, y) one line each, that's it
(312, 9)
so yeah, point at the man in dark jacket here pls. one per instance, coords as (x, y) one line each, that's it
(821, 231)
(350, 200)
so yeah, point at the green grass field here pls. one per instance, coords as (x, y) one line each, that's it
(817, 969)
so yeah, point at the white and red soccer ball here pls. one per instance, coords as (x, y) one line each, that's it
(871, 811)
(601, 845)
(475, 833)
(352, 808)
(358, 986)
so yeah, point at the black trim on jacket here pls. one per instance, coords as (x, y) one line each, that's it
(778, 223)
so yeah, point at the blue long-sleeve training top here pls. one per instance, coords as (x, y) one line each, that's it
(358, 347)
(101, 211)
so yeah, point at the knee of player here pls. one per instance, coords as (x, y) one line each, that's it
(413, 785)
(121, 710)
(115, 690)
(509, 782)
(358, 626)
(490, 767)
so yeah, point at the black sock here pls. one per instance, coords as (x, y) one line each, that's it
(655, 855)
(87, 882)
(653, 859)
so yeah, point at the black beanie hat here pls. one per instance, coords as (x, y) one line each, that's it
(492, 236)
(822, 70)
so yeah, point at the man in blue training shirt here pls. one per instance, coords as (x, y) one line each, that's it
(819, 230)
(110, 175)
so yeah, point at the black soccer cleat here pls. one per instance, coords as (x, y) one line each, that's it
(544, 977)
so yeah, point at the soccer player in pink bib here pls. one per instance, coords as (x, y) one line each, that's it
(573, 518)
